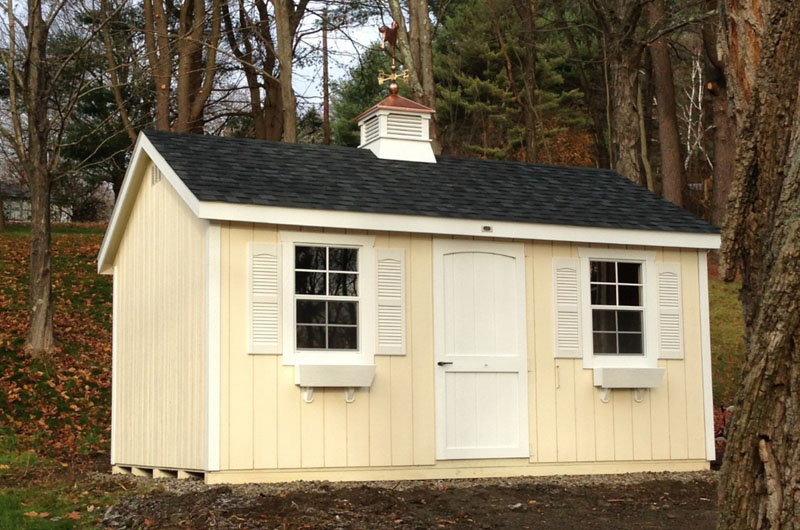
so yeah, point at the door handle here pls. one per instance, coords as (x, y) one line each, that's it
(444, 363)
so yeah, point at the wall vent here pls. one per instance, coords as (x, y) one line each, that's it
(155, 175)
(371, 129)
(404, 126)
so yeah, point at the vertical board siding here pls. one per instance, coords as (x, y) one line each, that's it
(161, 317)
(266, 425)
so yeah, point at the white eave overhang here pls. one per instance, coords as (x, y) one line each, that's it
(278, 215)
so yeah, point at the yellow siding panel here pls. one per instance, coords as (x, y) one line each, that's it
(289, 428)
(659, 417)
(642, 429)
(161, 350)
(585, 402)
(623, 424)
(358, 439)
(565, 410)
(312, 431)
(604, 425)
(335, 437)
(695, 417)
(380, 414)
(546, 419)
(241, 413)
(419, 315)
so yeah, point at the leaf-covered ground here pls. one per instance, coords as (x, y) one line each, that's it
(61, 408)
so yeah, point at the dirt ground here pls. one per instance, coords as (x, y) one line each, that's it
(638, 501)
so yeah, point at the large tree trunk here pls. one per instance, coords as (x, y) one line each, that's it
(669, 139)
(623, 54)
(40, 341)
(415, 52)
(2, 211)
(526, 10)
(156, 40)
(624, 74)
(759, 486)
(285, 54)
(723, 132)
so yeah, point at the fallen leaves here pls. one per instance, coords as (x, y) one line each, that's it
(60, 408)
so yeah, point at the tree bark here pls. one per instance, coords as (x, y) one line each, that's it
(415, 52)
(526, 9)
(2, 210)
(326, 103)
(41, 340)
(669, 140)
(619, 21)
(156, 40)
(283, 23)
(759, 486)
(723, 126)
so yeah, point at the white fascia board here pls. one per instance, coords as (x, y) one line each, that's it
(127, 195)
(250, 213)
(705, 354)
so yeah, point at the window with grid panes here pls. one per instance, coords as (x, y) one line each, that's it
(326, 297)
(617, 303)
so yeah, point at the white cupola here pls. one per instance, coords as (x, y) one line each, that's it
(397, 129)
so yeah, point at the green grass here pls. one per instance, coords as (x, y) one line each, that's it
(727, 339)
(14, 504)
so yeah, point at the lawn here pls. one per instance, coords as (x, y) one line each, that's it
(55, 417)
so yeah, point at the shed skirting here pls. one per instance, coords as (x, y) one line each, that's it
(455, 469)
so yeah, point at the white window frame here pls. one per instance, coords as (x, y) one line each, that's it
(366, 299)
(647, 259)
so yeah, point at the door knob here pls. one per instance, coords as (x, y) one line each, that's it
(444, 363)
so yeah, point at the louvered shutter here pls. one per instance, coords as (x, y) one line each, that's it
(566, 282)
(264, 298)
(391, 319)
(670, 338)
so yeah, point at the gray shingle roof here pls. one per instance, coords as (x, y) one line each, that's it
(245, 171)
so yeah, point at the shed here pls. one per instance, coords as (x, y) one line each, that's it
(286, 311)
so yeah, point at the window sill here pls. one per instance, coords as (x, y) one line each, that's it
(334, 375)
(628, 377)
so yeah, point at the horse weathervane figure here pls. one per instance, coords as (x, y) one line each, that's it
(389, 34)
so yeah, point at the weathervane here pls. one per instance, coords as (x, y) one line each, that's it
(390, 35)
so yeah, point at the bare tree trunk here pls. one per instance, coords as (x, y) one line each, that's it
(724, 134)
(648, 169)
(41, 340)
(415, 51)
(624, 74)
(157, 47)
(2, 211)
(619, 21)
(326, 104)
(285, 56)
(759, 486)
(526, 10)
(668, 137)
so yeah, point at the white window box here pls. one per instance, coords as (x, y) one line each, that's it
(334, 375)
(628, 377)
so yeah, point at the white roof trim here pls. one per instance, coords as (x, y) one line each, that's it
(251, 213)
(127, 196)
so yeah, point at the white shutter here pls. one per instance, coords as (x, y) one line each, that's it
(670, 333)
(566, 285)
(391, 314)
(264, 291)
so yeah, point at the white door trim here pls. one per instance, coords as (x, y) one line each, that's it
(442, 247)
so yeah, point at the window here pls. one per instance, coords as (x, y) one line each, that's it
(326, 292)
(329, 298)
(618, 315)
(617, 307)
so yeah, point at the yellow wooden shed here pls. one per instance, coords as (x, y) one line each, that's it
(287, 311)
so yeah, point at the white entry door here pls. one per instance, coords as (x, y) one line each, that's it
(480, 350)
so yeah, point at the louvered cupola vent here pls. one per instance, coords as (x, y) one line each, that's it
(398, 129)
